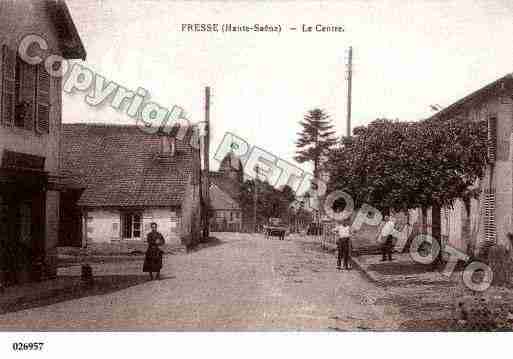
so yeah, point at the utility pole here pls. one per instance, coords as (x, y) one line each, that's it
(206, 166)
(349, 89)
(255, 197)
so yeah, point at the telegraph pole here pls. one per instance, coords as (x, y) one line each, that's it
(255, 198)
(206, 166)
(349, 89)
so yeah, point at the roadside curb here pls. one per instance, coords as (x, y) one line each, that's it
(366, 273)
(357, 263)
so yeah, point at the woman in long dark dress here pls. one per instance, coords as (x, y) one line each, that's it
(153, 258)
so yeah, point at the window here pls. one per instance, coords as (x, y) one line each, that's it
(167, 146)
(25, 93)
(131, 225)
(231, 216)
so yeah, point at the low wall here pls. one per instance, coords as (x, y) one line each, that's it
(116, 248)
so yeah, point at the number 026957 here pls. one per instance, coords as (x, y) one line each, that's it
(19, 346)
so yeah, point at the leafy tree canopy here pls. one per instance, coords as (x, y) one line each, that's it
(272, 202)
(403, 165)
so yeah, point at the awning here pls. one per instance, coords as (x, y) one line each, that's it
(63, 184)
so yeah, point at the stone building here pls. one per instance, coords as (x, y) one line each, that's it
(488, 218)
(225, 191)
(30, 132)
(122, 180)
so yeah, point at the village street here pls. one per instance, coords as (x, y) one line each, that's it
(246, 282)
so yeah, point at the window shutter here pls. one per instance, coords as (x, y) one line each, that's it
(43, 100)
(492, 139)
(490, 229)
(27, 93)
(8, 84)
(58, 109)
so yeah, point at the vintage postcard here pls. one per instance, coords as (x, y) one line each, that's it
(235, 166)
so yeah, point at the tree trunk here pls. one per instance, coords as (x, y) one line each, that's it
(436, 231)
(423, 228)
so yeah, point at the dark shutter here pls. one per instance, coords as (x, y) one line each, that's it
(58, 109)
(8, 72)
(27, 93)
(492, 139)
(43, 100)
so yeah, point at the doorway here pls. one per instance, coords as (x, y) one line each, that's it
(21, 236)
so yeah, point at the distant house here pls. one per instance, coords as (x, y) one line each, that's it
(227, 214)
(225, 191)
(488, 219)
(124, 179)
(30, 132)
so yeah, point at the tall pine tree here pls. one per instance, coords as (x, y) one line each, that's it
(315, 139)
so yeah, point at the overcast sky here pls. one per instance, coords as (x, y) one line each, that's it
(407, 55)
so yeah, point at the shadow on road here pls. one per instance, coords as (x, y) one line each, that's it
(393, 268)
(102, 285)
(211, 242)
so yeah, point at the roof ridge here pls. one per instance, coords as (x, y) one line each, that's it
(471, 95)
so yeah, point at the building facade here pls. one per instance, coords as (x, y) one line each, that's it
(120, 180)
(225, 192)
(227, 213)
(30, 131)
(487, 219)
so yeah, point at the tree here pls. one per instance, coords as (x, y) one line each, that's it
(374, 167)
(454, 152)
(315, 139)
(272, 203)
(406, 165)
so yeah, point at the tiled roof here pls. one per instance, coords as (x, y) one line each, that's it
(226, 184)
(503, 84)
(120, 166)
(220, 200)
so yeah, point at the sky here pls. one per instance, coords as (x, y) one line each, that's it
(407, 55)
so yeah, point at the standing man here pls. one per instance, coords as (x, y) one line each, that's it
(387, 239)
(343, 232)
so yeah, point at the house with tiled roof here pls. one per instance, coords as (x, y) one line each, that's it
(225, 204)
(475, 223)
(225, 191)
(123, 179)
(30, 132)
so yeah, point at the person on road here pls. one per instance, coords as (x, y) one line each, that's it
(343, 232)
(153, 258)
(387, 239)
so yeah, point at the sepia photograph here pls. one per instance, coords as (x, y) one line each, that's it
(325, 167)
